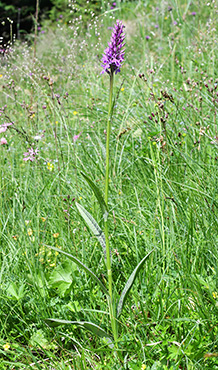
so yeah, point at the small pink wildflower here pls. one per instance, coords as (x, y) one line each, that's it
(30, 155)
(76, 137)
(3, 141)
(4, 127)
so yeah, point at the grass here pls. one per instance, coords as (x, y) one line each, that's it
(162, 192)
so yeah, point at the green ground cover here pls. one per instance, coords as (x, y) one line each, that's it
(163, 193)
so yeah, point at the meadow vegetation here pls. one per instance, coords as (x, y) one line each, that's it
(163, 191)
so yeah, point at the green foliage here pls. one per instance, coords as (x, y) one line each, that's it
(129, 284)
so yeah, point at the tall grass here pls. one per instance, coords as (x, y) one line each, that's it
(162, 192)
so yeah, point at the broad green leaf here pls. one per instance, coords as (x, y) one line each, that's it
(95, 329)
(97, 193)
(92, 224)
(38, 339)
(61, 278)
(129, 284)
(15, 291)
(80, 264)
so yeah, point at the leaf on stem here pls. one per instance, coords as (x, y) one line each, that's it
(81, 265)
(94, 227)
(129, 284)
(95, 329)
(97, 193)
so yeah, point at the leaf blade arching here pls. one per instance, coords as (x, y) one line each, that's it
(97, 193)
(95, 329)
(80, 264)
(94, 227)
(129, 284)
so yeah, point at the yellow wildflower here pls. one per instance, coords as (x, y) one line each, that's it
(43, 219)
(122, 89)
(56, 235)
(143, 367)
(215, 295)
(50, 166)
(6, 346)
(75, 113)
(29, 232)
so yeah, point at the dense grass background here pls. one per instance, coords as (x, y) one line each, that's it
(163, 190)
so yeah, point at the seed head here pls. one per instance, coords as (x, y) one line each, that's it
(113, 56)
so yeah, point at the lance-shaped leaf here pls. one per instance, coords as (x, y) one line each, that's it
(129, 284)
(81, 265)
(95, 329)
(97, 193)
(94, 227)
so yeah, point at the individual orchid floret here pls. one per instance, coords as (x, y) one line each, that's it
(113, 56)
(30, 155)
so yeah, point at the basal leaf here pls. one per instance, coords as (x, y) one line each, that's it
(97, 193)
(81, 265)
(129, 284)
(94, 227)
(95, 329)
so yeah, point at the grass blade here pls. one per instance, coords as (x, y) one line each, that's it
(95, 329)
(80, 264)
(93, 225)
(129, 284)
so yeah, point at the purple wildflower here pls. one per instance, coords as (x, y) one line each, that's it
(113, 56)
(193, 13)
(30, 155)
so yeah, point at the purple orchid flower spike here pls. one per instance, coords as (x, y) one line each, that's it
(113, 56)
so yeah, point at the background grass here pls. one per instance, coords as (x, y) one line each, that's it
(163, 191)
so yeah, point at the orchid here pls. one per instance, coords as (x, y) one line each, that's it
(113, 56)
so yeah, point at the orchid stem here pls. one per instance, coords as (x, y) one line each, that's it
(108, 255)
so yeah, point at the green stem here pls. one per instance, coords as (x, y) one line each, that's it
(110, 112)
(109, 271)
